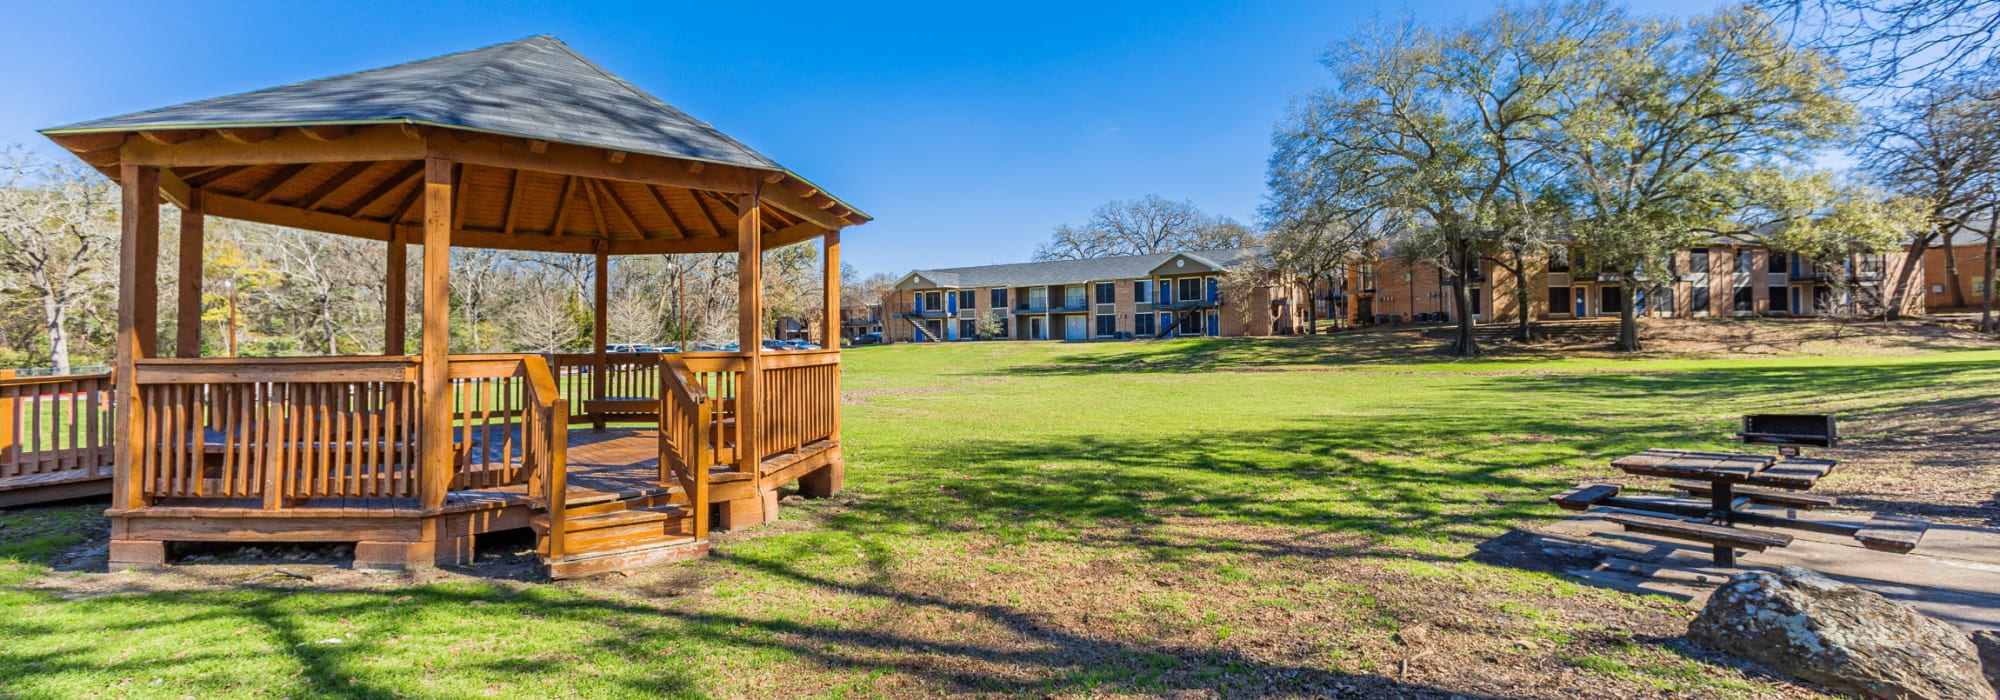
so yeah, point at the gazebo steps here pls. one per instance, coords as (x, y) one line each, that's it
(612, 535)
(594, 564)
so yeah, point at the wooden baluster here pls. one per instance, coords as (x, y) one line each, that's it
(273, 452)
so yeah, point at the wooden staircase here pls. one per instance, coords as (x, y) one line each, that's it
(616, 533)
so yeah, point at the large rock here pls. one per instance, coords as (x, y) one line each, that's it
(1821, 631)
(1988, 644)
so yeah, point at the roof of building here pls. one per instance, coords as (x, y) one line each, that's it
(1057, 272)
(537, 88)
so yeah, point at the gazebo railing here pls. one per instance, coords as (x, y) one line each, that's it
(276, 429)
(799, 392)
(498, 436)
(279, 430)
(55, 427)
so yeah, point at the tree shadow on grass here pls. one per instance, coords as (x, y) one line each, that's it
(636, 647)
(1463, 477)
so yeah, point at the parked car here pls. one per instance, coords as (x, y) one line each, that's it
(628, 347)
(867, 339)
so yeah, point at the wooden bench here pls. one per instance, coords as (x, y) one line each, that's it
(1585, 496)
(623, 406)
(1724, 540)
(1889, 533)
(1782, 499)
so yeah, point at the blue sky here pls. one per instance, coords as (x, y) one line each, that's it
(968, 131)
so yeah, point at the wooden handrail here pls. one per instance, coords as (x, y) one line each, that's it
(52, 379)
(690, 391)
(687, 425)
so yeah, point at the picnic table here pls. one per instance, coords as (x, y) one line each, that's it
(1732, 483)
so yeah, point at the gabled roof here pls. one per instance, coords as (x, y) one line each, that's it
(1058, 272)
(536, 88)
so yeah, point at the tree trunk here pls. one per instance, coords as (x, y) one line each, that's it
(1312, 307)
(1466, 344)
(1894, 308)
(1951, 273)
(1520, 271)
(55, 318)
(1986, 311)
(1628, 320)
(327, 324)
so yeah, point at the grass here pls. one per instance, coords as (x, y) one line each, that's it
(1252, 518)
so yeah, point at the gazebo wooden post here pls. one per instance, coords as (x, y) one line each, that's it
(138, 262)
(830, 325)
(396, 293)
(138, 277)
(187, 317)
(827, 480)
(600, 329)
(436, 447)
(749, 331)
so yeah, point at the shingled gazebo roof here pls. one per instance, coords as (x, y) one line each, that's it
(553, 152)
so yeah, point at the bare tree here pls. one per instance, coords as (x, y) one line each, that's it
(1939, 147)
(1900, 44)
(317, 284)
(1150, 224)
(58, 236)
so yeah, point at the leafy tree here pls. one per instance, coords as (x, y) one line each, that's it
(1432, 127)
(1144, 226)
(1669, 116)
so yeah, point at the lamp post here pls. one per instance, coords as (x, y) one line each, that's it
(229, 288)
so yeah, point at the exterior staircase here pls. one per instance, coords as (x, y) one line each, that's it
(613, 533)
(923, 335)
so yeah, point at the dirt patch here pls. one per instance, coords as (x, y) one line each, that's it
(1751, 338)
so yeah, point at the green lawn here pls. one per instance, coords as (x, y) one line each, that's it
(1246, 518)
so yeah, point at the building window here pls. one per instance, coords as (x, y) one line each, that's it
(1559, 300)
(1697, 261)
(1142, 293)
(1475, 301)
(1190, 289)
(966, 300)
(1777, 298)
(1774, 263)
(1107, 292)
(1743, 299)
(1142, 324)
(1665, 304)
(968, 329)
(999, 297)
(1871, 265)
(1559, 262)
(1744, 261)
(1107, 324)
(1698, 300)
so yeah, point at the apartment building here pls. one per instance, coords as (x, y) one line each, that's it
(858, 319)
(1968, 251)
(1133, 296)
(1720, 279)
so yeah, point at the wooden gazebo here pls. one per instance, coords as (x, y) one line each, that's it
(520, 146)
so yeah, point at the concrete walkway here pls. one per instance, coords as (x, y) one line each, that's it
(1952, 575)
